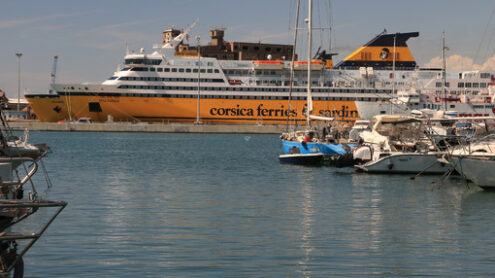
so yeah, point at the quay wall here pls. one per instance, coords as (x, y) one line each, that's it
(148, 127)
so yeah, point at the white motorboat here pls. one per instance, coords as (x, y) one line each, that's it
(477, 168)
(475, 160)
(406, 163)
(398, 144)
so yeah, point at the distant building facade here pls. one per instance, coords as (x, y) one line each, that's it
(225, 50)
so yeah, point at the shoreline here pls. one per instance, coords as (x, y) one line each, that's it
(148, 127)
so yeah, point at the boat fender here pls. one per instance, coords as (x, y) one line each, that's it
(390, 165)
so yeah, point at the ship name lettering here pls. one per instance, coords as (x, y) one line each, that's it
(344, 112)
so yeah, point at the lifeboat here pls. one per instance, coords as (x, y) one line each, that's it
(303, 65)
(268, 64)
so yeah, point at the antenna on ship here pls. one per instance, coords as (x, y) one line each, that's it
(53, 74)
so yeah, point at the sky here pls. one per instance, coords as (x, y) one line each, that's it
(90, 36)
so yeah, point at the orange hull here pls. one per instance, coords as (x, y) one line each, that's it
(245, 111)
(48, 108)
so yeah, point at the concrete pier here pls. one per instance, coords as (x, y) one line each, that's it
(147, 127)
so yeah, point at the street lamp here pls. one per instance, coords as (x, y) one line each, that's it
(199, 78)
(19, 81)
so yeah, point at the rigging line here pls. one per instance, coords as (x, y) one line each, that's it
(484, 34)
(291, 10)
(293, 58)
(330, 23)
(489, 45)
(319, 14)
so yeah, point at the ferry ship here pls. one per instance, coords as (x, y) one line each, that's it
(470, 95)
(180, 83)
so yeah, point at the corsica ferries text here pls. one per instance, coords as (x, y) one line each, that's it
(261, 111)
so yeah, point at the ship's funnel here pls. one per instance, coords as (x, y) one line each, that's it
(379, 53)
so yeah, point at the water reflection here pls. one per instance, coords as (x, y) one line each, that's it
(307, 212)
(222, 206)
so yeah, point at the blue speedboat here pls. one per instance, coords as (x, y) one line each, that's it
(315, 159)
(302, 147)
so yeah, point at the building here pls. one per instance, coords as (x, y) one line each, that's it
(225, 50)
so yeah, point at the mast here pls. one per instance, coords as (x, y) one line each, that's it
(393, 76)
(291, 81)
(444, 73)
(308, 97)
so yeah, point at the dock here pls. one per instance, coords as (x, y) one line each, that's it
(148, 127)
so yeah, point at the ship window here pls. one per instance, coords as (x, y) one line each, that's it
(166, 69)
(152, 69)
(181, 70)
(217, 71)
(210, 71)
(94, 107)
(483, 85)
(174, 70)
(476, 85)
(195, 70)
(188, 70)
(160, 69)
(202, 70)
(113, 78)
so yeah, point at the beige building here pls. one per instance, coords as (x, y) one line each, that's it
(225, 50)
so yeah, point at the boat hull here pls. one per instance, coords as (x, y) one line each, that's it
(479, 170)
(315, 159)
(293, 147)
(406, 163)
(49, 108)
(213, 110)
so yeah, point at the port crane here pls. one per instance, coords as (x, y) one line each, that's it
(53, 74)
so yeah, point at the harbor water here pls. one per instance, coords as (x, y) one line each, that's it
(220, 205)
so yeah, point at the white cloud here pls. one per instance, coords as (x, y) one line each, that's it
(461, 63)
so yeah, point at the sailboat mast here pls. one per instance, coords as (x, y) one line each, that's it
(444, 73)
(393, 76)
(293, 58)
(308, 98)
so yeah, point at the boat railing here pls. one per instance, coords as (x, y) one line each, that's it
(9, 255)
